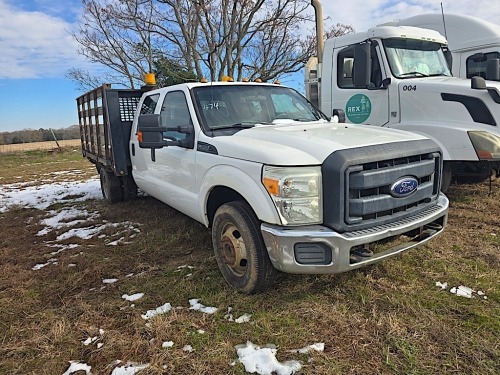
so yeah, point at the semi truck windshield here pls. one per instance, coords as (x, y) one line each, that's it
(409, 58)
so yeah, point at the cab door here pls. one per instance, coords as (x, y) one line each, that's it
(170, 175)
(365, 103)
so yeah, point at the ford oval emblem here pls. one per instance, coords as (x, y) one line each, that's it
(404, 186)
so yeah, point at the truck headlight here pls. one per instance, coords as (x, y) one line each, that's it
(486, 144)
(296, 192)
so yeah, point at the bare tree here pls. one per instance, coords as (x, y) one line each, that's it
(238, 38)
(115, 34)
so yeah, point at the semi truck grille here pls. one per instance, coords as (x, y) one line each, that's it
(359, 184)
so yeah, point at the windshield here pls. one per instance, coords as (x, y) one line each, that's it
(245, 105)
(415, 58)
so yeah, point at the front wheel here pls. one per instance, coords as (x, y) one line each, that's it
(240, 250)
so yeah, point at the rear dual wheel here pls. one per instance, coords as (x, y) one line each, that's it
(116, 189)
(111, 186)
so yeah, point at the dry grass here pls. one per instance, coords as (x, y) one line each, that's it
(48, 145)
(385, 319)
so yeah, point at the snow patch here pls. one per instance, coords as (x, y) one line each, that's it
(130, 368)
(263, 360)
(133, 297)
(196, 305)
(77, 366)
(462, 291)
(159, 310)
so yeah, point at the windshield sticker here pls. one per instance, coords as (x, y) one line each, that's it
(211, 106)
(358, 108)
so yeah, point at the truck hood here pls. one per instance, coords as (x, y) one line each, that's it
(300, 143)
(442, 83)
(449, 100)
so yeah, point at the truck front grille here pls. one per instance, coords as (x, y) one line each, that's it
(357, 184)
(368, 187)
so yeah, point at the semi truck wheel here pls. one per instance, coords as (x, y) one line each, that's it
(447, 176)
(110, 186)
(240, 250)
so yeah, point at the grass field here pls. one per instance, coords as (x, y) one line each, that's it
(48, 145)
(386, 319)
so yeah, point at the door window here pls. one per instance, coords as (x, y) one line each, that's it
(175, 112)
(149, 104)
(345, 71)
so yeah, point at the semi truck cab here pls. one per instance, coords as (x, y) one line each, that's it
(398, 77)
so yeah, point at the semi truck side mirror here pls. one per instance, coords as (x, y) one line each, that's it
(340, 115)
(362, 68)
(493, 70)
(478, 57)
(449, 58)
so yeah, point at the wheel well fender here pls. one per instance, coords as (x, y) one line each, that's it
(223, 184)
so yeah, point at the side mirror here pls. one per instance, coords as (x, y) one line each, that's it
(187, 142)
(477, 83)
(150, 131)
(478, 57)
(340, 115)
(493, 70)
(449, 58)
(362, 68)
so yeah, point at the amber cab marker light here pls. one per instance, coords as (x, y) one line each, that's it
(150, 79)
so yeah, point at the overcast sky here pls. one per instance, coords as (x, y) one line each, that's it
(36, 50)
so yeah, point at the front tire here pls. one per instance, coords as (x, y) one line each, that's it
(240, 250)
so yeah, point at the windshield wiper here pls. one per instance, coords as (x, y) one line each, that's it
(238, 125)
(298, 119)
(416, 74)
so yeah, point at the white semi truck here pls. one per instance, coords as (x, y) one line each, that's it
(280, 186)
(474, 43)
(398, 77)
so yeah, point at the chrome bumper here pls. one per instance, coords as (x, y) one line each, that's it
(281, 241)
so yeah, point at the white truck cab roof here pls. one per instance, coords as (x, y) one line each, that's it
(386, 31)
(463, 32)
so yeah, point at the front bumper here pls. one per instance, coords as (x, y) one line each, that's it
(331, 251)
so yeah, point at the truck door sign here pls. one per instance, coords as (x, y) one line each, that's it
(358, 108)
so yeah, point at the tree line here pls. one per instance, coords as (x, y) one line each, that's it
(185, 40)
(40, 135)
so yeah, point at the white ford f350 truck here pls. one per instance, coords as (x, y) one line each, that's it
(398, 77)
(280, 186)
